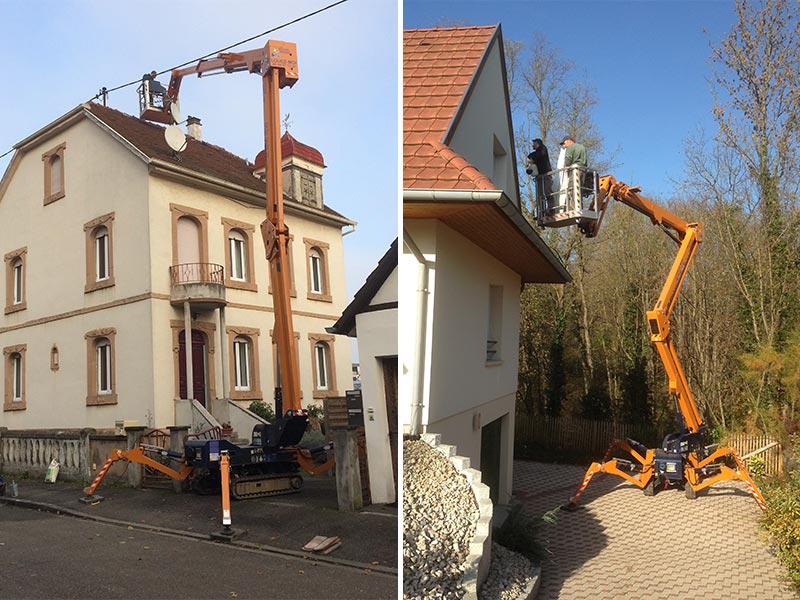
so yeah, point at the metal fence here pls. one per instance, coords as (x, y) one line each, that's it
(197, 273)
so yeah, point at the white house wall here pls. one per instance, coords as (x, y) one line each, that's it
(377, 337)
(423, 232)
(484, 117)
(461, 378)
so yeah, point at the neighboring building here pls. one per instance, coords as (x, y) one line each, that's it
(467, 248)
(372, 318)
(108, 236)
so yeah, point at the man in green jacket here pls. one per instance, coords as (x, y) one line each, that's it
(575, 155)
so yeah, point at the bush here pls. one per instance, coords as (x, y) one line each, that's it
(782, 521)
(263, 410)
(315, 410)
(521, 533)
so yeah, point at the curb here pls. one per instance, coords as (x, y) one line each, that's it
(251, 546)
(476, 565)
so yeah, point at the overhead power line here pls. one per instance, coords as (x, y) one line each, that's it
(221, 50)
(105, 90)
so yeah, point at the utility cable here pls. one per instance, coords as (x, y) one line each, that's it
(105, 91)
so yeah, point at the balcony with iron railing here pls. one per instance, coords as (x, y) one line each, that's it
(200, 284)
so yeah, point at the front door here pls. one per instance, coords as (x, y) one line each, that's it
(199, 366)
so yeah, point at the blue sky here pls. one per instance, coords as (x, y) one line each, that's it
(647, 59)
(59, 54)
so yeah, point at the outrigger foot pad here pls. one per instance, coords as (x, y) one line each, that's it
(569, 506)
(92, 499)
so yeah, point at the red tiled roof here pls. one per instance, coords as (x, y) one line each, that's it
(291, 147)
(438, 65)
(198, 156)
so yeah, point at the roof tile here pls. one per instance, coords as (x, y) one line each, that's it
(438, 66)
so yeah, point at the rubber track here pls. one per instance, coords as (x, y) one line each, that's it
(242, 481)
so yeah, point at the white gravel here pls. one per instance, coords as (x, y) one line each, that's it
(510, 576)
(439, 515)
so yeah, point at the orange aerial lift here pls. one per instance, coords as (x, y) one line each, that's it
(271, 464)
(682, 460)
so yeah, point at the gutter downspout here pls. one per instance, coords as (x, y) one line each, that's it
(418, 386)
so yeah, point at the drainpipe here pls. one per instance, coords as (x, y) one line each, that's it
(420, 338)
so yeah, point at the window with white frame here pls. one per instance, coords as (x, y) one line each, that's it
(16, 377)
(315, 271)
(99, 234)
(238, 254)
(17, 276)
(321, 364)
(241, 364)
(16, 273)
(101, 256)
(103, 352)
(100, 367)
(14, 367)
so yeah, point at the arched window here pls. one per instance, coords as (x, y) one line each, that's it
(16, 377)
(19, 281)
(56, 174)
(100, 367)
(238, 255)
(322, 365)
(315, 270)
(241, 364)
(101, 254)
(14, 367)
(103, 354)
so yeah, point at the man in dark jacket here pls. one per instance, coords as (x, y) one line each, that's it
(540, 158)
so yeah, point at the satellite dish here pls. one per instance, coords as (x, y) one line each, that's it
(176, 139)
(175, 111)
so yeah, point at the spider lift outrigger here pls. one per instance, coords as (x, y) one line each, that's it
(682, 460)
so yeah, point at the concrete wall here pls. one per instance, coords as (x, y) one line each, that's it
(484, 119)
(377, 337)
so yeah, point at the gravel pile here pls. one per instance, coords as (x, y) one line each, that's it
(439, 514)
(509, 576)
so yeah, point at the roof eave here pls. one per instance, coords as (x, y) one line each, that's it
(459, 198)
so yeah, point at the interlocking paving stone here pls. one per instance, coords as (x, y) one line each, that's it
(623, 544)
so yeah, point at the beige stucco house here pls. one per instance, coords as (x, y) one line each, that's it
(113, 242)
(467, 249)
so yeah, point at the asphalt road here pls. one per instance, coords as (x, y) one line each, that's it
(43, 555)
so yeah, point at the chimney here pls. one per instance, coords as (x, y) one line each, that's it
(194, 128)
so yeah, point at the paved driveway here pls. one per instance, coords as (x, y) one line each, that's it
(623, 545)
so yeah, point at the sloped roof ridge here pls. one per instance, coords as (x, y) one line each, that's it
(458, 162)
(455, 27)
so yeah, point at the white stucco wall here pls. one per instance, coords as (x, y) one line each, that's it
(463, 392)
(377, 338)
(484, 117)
